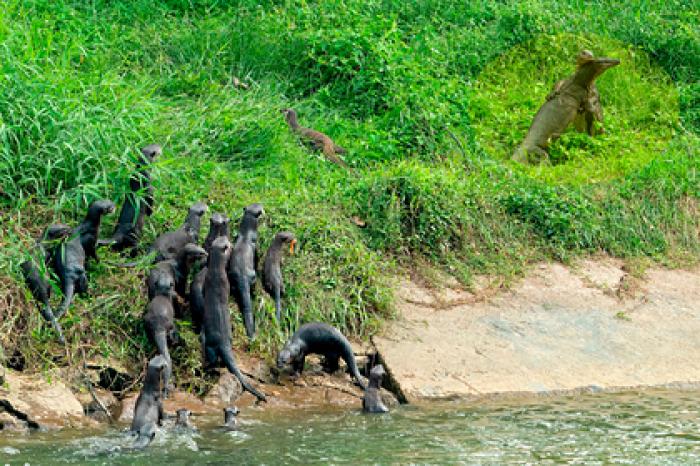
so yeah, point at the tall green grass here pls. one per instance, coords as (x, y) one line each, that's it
(399, 84)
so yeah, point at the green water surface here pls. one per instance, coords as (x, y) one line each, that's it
(660, 427)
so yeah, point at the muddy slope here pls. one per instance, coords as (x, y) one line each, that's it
(589, 326)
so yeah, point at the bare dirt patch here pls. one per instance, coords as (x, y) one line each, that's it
(559, 329)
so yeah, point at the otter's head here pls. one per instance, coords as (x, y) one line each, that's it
(230, 414)
(151, 151)
(254, 210)
(193, 253)
(197, 210)
(183, 416)
(286, 356)
(377, 372)
(164, 285)
(100, 208)
(286, 237)
(218, 221)
(56, 232)
(220, 249)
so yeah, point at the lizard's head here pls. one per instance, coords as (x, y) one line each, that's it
(600, 64)
(290, 115)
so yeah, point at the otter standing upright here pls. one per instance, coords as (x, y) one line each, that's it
(216, 321)
(319, 338)
(272, 268)
(159, 322)
(89, 228)
(138, 203)
(244, 263)
(372, 401)
(148, 412)
(218, 226)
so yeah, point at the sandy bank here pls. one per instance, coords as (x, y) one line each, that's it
(559, 329)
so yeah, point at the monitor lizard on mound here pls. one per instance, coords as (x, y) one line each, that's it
(575, 97)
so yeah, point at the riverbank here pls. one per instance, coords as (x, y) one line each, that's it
(591, 326)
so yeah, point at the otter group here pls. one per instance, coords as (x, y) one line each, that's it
(220, 268)
(224, 267)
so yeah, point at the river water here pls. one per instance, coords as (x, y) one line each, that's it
(657, 427)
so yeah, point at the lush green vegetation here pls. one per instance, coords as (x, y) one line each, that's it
(412, 90)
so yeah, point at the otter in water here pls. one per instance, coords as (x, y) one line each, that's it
(272, 268)
(148, 412)
(316, 139)
(183, 420)
(230, 420)
(319, 338)
(216, 321)
(35, 272)
(372, 401)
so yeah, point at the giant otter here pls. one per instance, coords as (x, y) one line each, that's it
(160, 324)
(138, 203)
(36, 274)
(230, 421)
(178, 268)
(183, 422)
(167, 245)
(372, 401)
(197, 299)
(319, 338)
(69, 263)
(89, 228)
(218, 226)
(216, 321)
(316, 139)
(244, 263)
(272, 270)
(148, 412)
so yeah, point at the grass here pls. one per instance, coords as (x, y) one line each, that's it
(428, 96)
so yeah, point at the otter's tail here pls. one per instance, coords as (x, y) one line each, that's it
(161, 342)
(230, 362)
(47, 314)
(349, 357)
